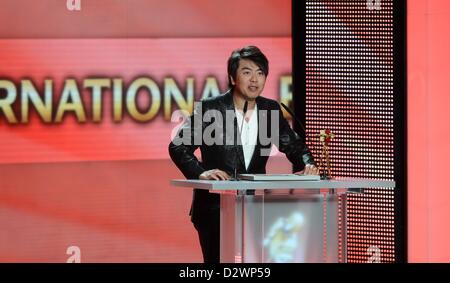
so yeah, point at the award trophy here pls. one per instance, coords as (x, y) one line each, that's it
(324, 163)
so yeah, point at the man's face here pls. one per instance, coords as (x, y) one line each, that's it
(250, 80)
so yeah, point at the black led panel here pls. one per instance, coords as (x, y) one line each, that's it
(350, 85)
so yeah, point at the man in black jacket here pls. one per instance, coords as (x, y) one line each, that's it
(235, 132)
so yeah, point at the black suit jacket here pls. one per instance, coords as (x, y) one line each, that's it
(227, 156)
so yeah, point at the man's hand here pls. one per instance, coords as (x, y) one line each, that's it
(309, 170)
(214, 174)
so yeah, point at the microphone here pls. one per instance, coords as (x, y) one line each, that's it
(244, 110)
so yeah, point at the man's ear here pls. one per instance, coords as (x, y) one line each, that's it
(232, 80)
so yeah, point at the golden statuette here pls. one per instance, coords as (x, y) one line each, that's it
(324, 163)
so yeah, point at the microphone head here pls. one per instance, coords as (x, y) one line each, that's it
(294, 117)
(287, 109)
(245, 107)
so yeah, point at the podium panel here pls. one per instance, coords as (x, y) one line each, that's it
(283, 221)
(281, 227)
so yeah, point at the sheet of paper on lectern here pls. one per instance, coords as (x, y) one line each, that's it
(278, 177)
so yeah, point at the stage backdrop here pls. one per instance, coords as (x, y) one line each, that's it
(86, 99)
(113, 99)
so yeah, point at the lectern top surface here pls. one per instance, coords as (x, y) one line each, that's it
(344, 183)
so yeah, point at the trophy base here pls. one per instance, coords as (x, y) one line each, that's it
(326, 177)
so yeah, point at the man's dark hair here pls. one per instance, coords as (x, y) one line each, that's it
(251, 53)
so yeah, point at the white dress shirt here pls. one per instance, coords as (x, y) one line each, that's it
(249, 134)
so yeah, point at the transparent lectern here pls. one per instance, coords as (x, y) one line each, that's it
(283, 221)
